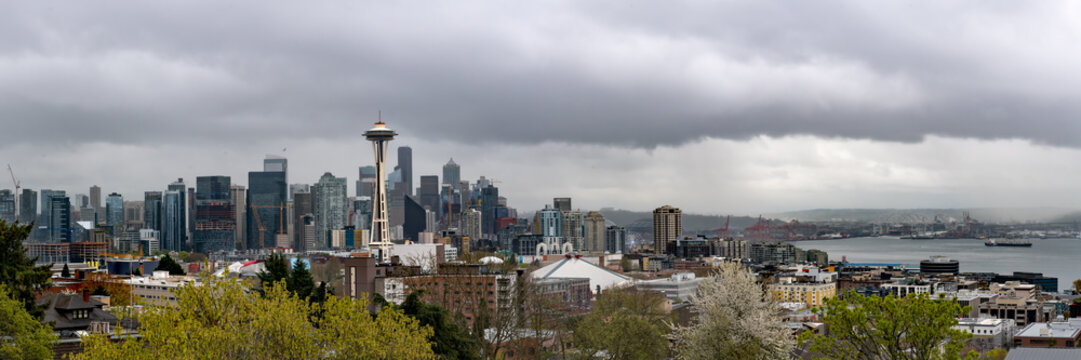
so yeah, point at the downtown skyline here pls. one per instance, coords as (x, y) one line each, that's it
(614, 108)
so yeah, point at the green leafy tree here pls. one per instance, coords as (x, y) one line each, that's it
(17, 271)
(275, 269)
(221, 319)
(168, 264)
(736, 320)
(66, 273)
(872, 327)
(451, 339)
(620, 316)
(300, 280)
(24, 336)
(1077, 286)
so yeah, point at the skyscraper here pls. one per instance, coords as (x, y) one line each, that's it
(572, 227)
(366, 181)
(172, 221)
(114, 213)
(452, 173)
(328, 199)
(562, 203)
(95, 202)
(266, 202)
(429, 194)
(471, 223)
(46, 212)
(28, 206)
(405, 164)
(240, 213)
(416, 219)
(152, 210)
(7, 206)
(380, 244)
(274, 163)
(595, 232)
(548, 222)
(667, 227)
(302, 208)
(215, 224)
(182, 213)
(59, 218)
(489, 197)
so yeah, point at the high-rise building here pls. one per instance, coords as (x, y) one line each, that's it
(595, 232)
(380, 243)
(274, 163)
(489, 197)
(182, 213)
(667, 227)
(471, 223)
(416, 219)
(59, 218)
(548, 222)
(45, 212)
(328, 205)
(572, 227)
(7, 206)
(114, 212)
(296, 188)
(303, 209)
(133, 214)
(362, 213)
(215, 224)
(615, 239)
(152, 211)
(366, 181)
(429, 194)
(452, 173)
(172, 221)
(95, 202)
(405, 165)
(562, 204)
(240, 213)
(266, 207)
(28, 206)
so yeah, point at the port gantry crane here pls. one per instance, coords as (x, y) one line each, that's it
(16, 194)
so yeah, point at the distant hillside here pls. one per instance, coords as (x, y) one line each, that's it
(985, 215)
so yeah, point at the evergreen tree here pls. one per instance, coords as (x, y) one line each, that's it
(66, 273)
(275, 269)
(168, 264)
(300, 280)
(17, 271)
(452, 341)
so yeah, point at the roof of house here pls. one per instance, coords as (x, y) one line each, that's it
(1043, 354)
(573, 267)
(59, 311)
(1053, 330)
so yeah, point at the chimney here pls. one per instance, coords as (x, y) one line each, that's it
(86, 295)
(601, 260)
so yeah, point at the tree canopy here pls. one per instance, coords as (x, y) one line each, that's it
(17, 271)
(872, 327)
(619, 316)
(275, 269)
(29, 338)
(451, 339)
(300, 280)
(168, 264)
(221, 319)
(736, 320)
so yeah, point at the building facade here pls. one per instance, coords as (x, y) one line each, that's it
(328, 205)
(667, 226)
(594, 232)
(266, 207)
(215, 222)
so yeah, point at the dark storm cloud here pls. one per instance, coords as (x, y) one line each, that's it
(623, 73)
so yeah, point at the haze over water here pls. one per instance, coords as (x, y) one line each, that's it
(1052, 257)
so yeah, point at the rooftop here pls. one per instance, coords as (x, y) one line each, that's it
(1070, 329)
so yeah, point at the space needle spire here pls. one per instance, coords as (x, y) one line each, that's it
(380, 243)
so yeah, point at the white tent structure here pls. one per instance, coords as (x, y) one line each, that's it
(574, 267)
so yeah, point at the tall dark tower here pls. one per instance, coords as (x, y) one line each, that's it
(405, 163)
(380, 135)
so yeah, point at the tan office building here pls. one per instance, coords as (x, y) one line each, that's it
(667, 226)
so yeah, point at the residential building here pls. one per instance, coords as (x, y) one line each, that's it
(572, 228)
(471, 224)
(909, 286)
(809, 286)
(667, 226)
(594, 232)
(735, 249)
(773, 252)
(548, 222)
(615, 239)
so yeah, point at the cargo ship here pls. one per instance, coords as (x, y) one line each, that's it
(1008, 242)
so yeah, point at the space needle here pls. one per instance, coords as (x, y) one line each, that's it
(380, 243)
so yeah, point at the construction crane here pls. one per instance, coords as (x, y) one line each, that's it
(259, 222)
(724, 230)
(16, 183)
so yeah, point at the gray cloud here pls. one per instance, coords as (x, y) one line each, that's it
(622, 73)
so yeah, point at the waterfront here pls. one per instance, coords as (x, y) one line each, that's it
(1052, 257)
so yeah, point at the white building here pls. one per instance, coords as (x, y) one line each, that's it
(683, 286)
(159, 288)
(989, 333)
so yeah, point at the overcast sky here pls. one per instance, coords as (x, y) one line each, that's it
(714, 107)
